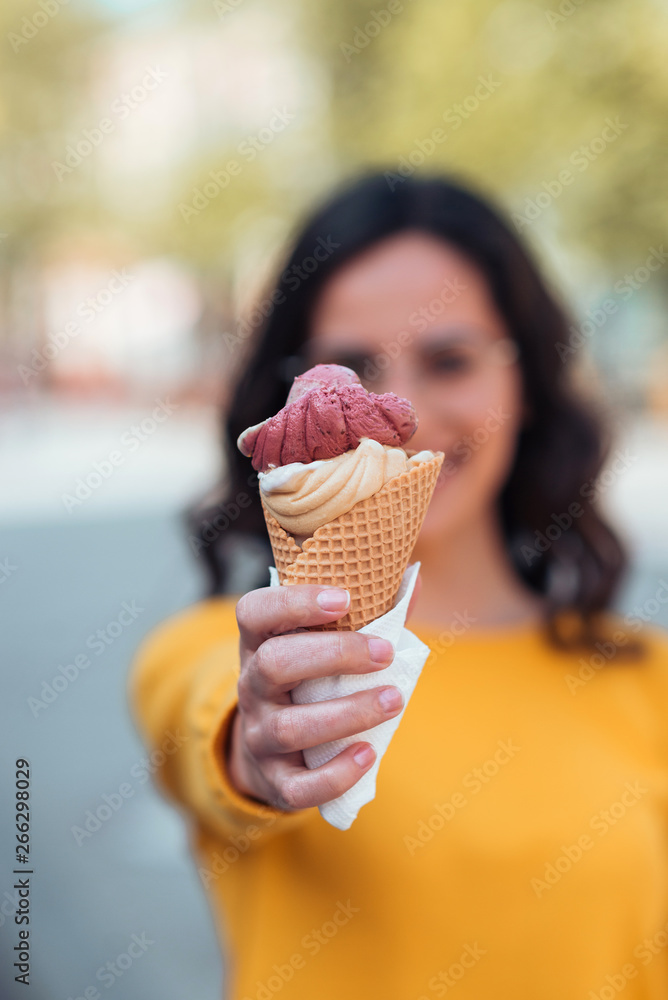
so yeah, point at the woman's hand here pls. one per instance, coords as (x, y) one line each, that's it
(269, 733)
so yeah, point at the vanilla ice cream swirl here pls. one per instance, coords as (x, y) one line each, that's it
(303, 496)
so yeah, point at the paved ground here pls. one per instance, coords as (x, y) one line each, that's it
(74, 571)
(134, 875)
(73, 574)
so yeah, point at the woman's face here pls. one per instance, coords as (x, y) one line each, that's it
(412, 315)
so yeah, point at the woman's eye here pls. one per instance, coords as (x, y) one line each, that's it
(450, 363)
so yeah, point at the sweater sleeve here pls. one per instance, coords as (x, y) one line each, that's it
(183, 695)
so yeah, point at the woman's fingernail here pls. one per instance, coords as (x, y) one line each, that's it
(390, 700)
(380, 650)
(333, 600)
(364, 756)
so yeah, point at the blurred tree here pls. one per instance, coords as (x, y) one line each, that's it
(557, 107)
(521, 91)
(44, 92)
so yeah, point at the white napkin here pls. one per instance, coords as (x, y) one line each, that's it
(409, 659)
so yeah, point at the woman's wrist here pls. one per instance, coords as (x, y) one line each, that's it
(234, 761)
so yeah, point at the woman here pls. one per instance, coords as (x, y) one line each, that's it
(516, 845)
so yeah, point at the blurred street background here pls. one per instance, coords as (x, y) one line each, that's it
(155, 158)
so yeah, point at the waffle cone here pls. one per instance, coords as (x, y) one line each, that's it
(365, 551)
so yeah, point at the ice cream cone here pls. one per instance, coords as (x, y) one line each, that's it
(366, 551)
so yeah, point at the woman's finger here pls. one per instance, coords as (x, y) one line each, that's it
(302, 788)
(280, 663)
(272, 611)
(297, 727)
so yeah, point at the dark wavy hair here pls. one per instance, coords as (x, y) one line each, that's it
(576, 566)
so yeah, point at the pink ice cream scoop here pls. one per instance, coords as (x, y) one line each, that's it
(328, 412)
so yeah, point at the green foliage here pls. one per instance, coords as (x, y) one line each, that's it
(45, 73)
(503, 93)
(561, 67)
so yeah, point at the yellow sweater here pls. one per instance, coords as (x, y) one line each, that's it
(517, 847)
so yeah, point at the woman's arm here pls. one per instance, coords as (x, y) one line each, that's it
(183, 694)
